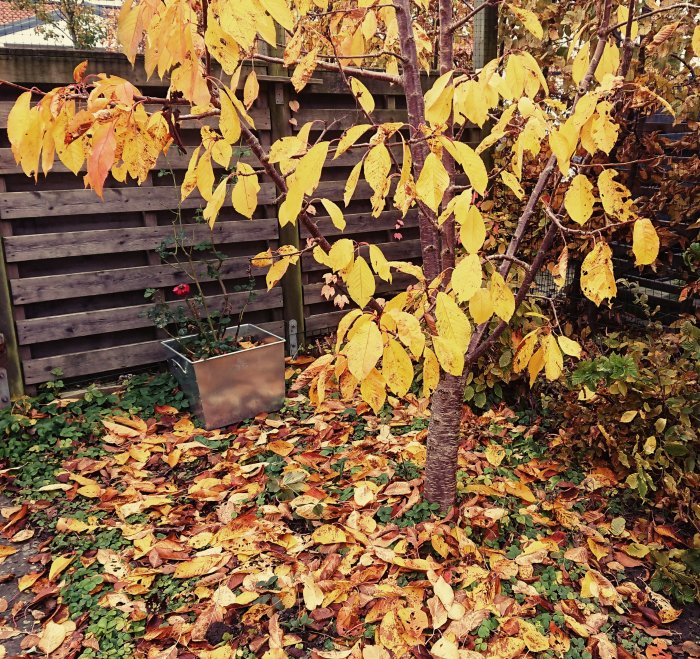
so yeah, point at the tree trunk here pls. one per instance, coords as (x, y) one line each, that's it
(443, 441)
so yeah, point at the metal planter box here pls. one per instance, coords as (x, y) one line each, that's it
(230, 388)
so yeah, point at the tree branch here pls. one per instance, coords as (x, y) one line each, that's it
(351, 70)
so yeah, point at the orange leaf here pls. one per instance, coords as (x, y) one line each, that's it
(101, 158)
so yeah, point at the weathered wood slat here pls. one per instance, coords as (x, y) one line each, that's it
(132, 239)
(117, 280)
(323, 321)
(88, 323)
(343, 118)
(51, 203)
(364, 223)
(107, 359)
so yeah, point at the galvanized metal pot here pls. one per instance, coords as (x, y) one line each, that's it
(230, 388)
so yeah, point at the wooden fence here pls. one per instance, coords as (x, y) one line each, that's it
(74, 267)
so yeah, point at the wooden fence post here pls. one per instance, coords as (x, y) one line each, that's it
(10, 366)
(280, 114)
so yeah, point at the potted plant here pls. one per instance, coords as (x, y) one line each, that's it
(229, 371)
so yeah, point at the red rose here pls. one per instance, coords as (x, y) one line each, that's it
(181, 289)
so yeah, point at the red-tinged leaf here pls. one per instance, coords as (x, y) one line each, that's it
(102, 150)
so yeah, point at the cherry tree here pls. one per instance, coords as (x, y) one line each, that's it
(552, 133)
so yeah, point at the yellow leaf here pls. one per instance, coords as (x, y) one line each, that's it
(377, 166)
(450, 357)
(397, 368)
(200, 565)
(597, 277)
(335, 214)
(444, 592)
(205, 176)
(431, 372)
(365, 493)
(28, 580)
(438, 100)
(304, 70)
(363, 350)
(597, 587)
(579, 199)
(432, 182)
(244, 195)
(696, 40)
(534, 640)
(645, 242)
(341, 255)
(189, 183)
(313, 595)
(512, 182)
(308, 172)
(502, 297)
(519, 489)
(363, 95)
(473, 230)
(445, 648)
(494, 454)
(351, 183)
(327, 534)
(452, 324)
(563, 145)
(409, 331)
(373, 390)
(535, 365)
(276, 272)
(262, 259)
(597, 549)
(279, 10)
(569, 346)
(379, 263)
(58, 565)
(466, 278)
(350, 136)
(580, 63)
(523, 353)
(553, 359)
(609, 62)
(360, 282)
(54, 634)
(529, 20)
(211, 210)
(614, 195)
(481, 306)
(251, 89)
(629, 416)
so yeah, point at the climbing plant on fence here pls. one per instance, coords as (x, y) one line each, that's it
(466, 306)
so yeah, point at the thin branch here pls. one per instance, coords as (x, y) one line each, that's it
(465, 19)
(354, 71)
(685, 5)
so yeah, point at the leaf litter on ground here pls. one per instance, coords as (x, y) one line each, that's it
(304, 534)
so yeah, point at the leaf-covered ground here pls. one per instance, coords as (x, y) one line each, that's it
(303, 534)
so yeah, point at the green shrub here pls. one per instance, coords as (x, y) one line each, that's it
(638, 404)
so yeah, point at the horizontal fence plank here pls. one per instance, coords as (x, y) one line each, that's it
(102, 321)
(363, 223)
(323, 321)
(107, 359)
(116, 280)
(343, 118)
(132, 239)
(52, 203)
